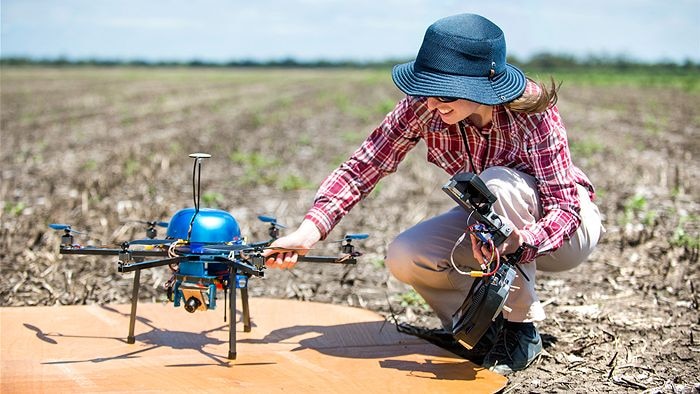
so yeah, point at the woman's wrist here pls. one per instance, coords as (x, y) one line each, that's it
(309, 232)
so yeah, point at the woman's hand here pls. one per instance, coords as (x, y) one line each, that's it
(482, 253)
(284, 252)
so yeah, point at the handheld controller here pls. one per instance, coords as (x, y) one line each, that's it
(488, 294)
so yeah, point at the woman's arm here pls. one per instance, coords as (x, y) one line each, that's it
(549, 158)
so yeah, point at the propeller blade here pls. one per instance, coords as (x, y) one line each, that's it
(148, 222)
(61, 226)
(357, 236)
(349, 237)
(271, 219)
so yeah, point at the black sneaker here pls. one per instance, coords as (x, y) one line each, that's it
(444, 339)
(517, 347)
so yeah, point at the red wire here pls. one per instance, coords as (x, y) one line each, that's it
(494, 253)
(498, 259)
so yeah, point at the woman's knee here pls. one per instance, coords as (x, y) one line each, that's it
(496, 172)
(579, 247)
(504, 180)
(516, 194)
(400, 258)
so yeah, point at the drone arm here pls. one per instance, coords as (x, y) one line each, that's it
(343, 259)
(261, 244)
(240, 266)
(112, 252)
(129, 267)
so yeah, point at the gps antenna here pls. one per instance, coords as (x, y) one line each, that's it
(196, 185)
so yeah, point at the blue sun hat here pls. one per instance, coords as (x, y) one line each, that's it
(462, 56)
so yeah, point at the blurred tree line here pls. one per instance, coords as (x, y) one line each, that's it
(543, 62)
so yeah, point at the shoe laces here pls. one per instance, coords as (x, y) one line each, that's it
(507, 344)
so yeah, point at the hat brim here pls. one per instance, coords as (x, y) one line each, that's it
(505, 87)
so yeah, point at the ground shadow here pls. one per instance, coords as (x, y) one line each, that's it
(373, 340)
(441, 371)
(153, 339)
(548, 340)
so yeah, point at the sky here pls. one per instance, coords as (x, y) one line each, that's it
(359, 30)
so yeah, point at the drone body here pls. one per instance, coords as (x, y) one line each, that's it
(196, 282)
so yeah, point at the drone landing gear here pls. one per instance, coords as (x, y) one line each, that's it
(233, 283)
(236, 281)
(134, 301)
(232, 313)
(246, 310)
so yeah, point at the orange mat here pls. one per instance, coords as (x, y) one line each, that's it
(294, 347)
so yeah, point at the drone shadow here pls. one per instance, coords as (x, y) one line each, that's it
(153, 339)
(377, 339)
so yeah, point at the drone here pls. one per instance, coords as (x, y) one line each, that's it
(207, 254)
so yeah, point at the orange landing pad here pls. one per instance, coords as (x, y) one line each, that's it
(294, 347)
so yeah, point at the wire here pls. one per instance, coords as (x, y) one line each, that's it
(196, 188)
(452, 261)
(485, 266)
(199, 183)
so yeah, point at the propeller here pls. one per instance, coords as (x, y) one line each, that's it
(274, 230)
(151, 231)
(350, 237)
(151, 223)
(67, 237)
(272, 220)
(65, 227)
(348, 247)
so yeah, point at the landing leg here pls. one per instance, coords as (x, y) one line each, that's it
(232, 313)
(134, 301)
(246, 310)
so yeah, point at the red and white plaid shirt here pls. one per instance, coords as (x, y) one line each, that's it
(535, 144)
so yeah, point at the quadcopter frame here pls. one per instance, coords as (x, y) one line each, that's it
(201, 247)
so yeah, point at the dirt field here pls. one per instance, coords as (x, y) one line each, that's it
(98, 147)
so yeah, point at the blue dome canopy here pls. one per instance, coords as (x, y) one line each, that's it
(210, 226)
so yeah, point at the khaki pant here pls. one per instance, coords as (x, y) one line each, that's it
(420, 256)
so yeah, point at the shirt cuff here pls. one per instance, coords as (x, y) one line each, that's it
(531, 239)
(321, 220)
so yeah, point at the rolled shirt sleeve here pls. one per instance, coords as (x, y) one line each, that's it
(549, 161)
(379, 155)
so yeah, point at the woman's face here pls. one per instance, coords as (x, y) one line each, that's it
(455, 111)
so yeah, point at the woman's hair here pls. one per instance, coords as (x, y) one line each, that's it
(535, 100)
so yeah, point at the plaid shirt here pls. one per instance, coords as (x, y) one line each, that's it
(535, 144)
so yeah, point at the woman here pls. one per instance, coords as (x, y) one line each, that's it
(479, 114)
